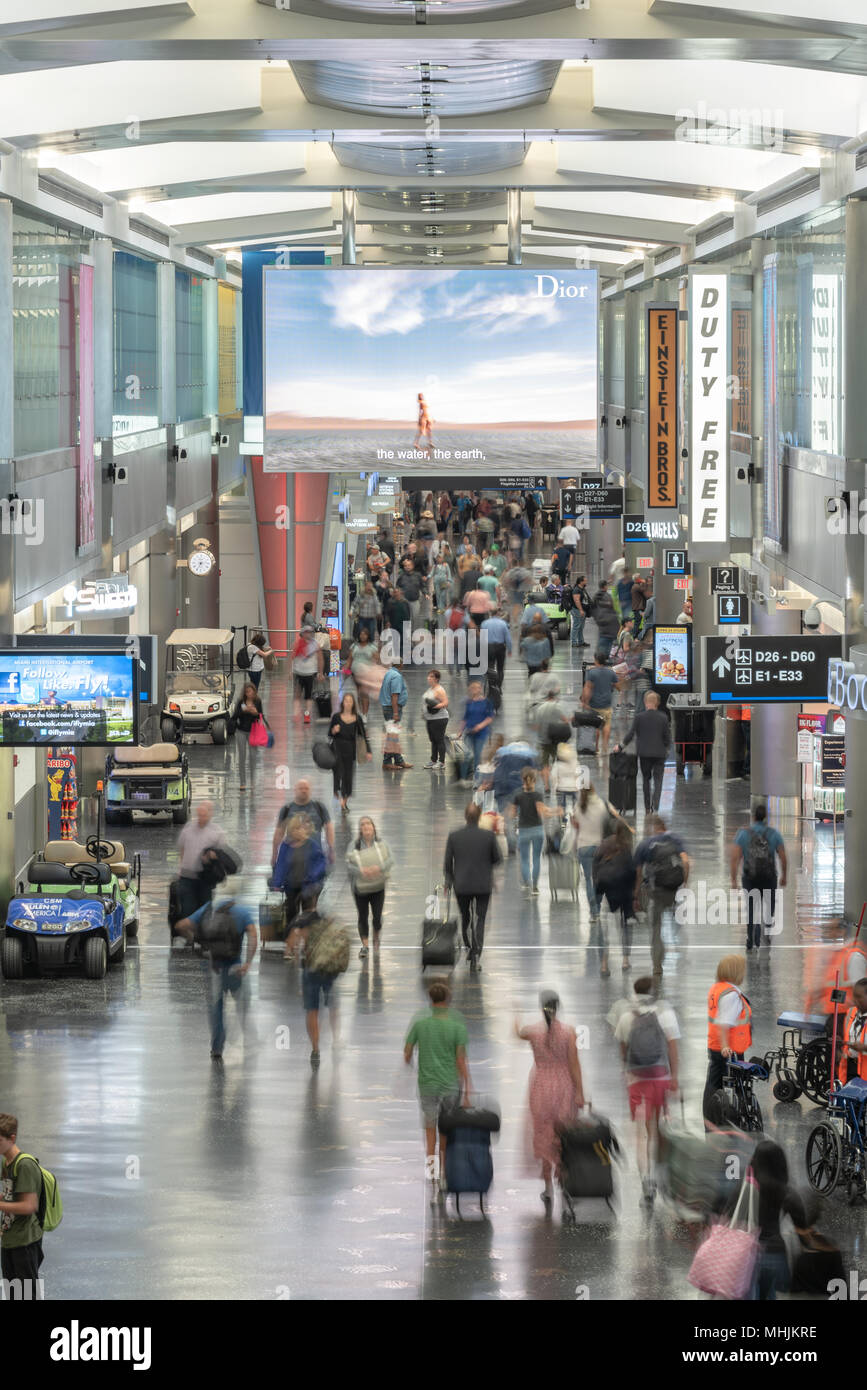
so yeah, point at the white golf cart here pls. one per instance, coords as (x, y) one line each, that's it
(200, 684)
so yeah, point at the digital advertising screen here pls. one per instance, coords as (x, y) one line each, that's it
(672, 657)
(492, 369)
(66, 697)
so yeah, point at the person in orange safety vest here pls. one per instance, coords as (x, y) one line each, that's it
(729, 1023)
(849, 962)
(852, 1057)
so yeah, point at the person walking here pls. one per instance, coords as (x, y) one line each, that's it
(393, 696)
(556, 1085)
(443, 582)
(600, 683)
(410, 583)
(306, 665)
(576, 602)
(567, 777)
(552, 723)
(247, 717)
(662, 866)
(536, 647)
(648, 1032)
(478, 718)
(317, 983)
(22, 1195)
(257, 651)
(624, 596)
(651, 730)
(367, 611)
(346, 733)
(224, 927)
(531, 812)
(605, 618)
(362, 657)
(729, 1025)
(197, 836)
(499, 640)
(777, 1198)
(614, 882)
(299, 874)
(435, 708)
(369, 861)
(755, 852)
(569, 537)
(471, 856)
(587, 829)
(443, 1075)
(303, 803)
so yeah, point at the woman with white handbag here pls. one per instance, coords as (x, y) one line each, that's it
(369, 861)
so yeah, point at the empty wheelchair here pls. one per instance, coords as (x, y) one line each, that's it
(836, 1154)
(734, 1105)
(802, 1062)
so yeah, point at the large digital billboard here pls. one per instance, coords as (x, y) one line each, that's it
(492, 369)
(66, 697)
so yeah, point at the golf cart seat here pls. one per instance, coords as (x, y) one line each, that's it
(71, 852)
(43, 874)
(160, 760)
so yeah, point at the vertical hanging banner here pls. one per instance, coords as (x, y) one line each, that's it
(709, 415)
(86, 455)
(742, 369)
(662, 423)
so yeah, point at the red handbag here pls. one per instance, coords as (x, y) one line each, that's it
(258, 737)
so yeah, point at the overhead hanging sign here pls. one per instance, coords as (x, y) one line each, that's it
(725, 579)
(708, 494)
(770, 669)
(602, 503)
(732, 608)
(642, 528)
(661, 339)
(675, 562)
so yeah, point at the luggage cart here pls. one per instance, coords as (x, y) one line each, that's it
(692, 734)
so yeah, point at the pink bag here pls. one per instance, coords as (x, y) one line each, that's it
(258, 735)
(725, 1262)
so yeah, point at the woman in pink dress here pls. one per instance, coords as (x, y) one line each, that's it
(556, 1088)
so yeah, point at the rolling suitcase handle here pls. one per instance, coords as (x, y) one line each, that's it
(448, 902)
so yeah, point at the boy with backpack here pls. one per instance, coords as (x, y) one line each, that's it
(222, 928)
(756, 850)
(662, 864)
(327, 956)
(647, 1031)
(29, 1205)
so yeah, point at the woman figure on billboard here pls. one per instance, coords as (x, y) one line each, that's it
(423, 433)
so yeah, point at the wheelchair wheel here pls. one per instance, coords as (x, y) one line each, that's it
(824, 1159)
(721, 1112)
(813, 1069)
(786, 1091)
(751, 1117)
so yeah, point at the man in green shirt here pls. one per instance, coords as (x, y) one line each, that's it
(443, 1075)
(20, 1231)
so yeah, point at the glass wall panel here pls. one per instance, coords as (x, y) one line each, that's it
(618, 353)
(189, 346)
(136, 344)
(45, 264)
(228, 355)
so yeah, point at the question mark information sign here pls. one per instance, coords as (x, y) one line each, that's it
(725, 579)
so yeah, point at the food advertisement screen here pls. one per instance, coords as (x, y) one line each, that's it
(672, 657)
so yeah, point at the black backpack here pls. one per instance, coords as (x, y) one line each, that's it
(664, 867)
(760, 865)
(219, 933)
(242, 659)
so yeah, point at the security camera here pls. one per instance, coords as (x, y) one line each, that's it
(183, 453)
(121, 475)
(224, 439)
(812, 617)
(832, 505)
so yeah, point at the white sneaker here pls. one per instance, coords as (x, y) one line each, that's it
(430, 1168)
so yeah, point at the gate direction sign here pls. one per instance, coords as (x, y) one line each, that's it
(602, 503)
(769, 669)
(731, 608)
(725, 579)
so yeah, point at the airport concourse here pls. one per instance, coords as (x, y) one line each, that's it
(433, 666)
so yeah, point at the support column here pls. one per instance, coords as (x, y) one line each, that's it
(855, 638)
(513, 225)
(7, 543)
(703, 620)
(669, 601)
(350, 206)
(775, 774)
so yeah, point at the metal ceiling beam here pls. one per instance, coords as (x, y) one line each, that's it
(169, 9)
(687, 9)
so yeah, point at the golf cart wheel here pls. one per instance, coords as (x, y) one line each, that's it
(786, 1091)
(95, 957)
(181, 814)
(12, 958)
(132, 927)
(114, 817)
(169, 731)
(219, 730)
(562, 631)
(121, 950)
(679, 767)
(824, 1159)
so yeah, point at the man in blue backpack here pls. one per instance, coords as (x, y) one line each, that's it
(756, 850)
(21, 1238)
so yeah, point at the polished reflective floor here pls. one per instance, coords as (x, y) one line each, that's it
(264, 1180)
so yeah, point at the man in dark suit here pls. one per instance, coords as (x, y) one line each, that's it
(471, 856)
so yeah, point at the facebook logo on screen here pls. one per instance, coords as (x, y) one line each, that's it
(10, 683)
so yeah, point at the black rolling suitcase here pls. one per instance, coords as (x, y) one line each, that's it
(469, 1163)
(494, 690)
(439, 937)
(322, 697)
(588, 1149)
(622, 781)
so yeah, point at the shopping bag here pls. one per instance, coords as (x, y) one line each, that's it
(258, 737)
(725, 1262)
